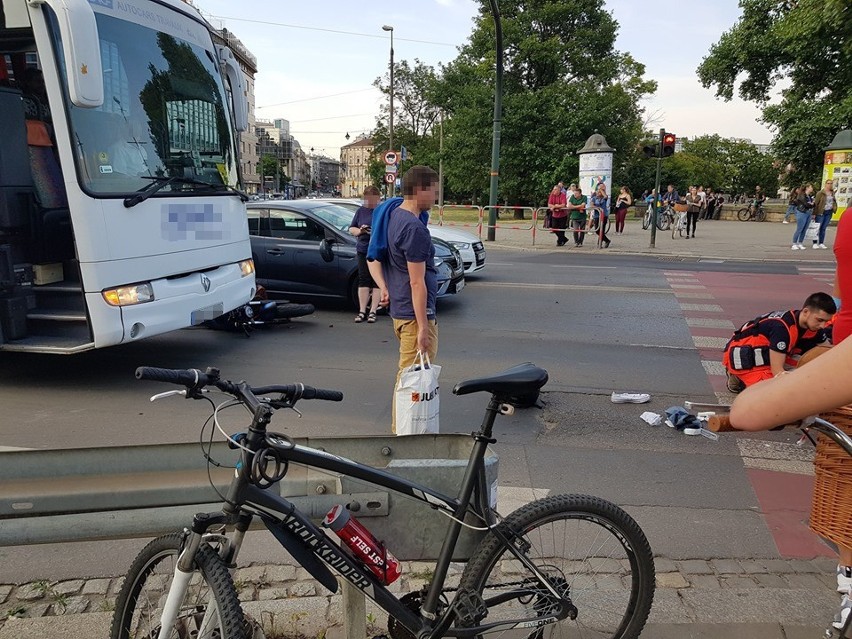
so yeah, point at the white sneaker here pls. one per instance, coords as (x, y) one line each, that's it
(795, 247)
(843, 613)
(785, 222)
(802, 247)
(823, 246)
(844, 583)
(815, 246)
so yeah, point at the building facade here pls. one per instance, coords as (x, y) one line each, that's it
(355, 160)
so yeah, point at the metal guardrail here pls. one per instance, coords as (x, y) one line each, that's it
(55, 496)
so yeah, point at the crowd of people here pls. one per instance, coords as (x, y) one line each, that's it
(569, 208)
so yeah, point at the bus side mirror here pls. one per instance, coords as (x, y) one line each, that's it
(80, 49)
(232, 71)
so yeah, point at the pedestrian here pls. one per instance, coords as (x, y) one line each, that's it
(401, 260)
(825, 203)
(711, 205)
(804, 215)
(622, 203)
(362, 223)
(671, 196)
(791, 206)
(577, 207)
(694, 206)
(760, 348)
(558, 214)
(600, 214)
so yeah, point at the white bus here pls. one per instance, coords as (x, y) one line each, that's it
(120, 213)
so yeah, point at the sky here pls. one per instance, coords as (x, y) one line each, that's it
(317, 60)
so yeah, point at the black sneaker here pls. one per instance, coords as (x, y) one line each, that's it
(735, 384)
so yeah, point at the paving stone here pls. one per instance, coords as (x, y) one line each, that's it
(779, 566)
(771, 581)
(252, 574)
(268, 594)
(296, 616)
(695, 567)
(74, 606)
(661, 564)
(727, 566)
(5, 591)
(830, 581)
(805, 582)
(96, 587)
(671, 580)
(28, 592)
(275, 574)
(37, 610)
(753, 566)
(824, 564)
(303, 589)
(704, 582)
(71, 587)
(737, 583)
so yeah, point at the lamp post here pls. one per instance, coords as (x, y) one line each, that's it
(387, 27)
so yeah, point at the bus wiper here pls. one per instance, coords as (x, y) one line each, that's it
(162, 182)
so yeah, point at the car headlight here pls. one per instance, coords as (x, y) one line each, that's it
(437, 261)
(247, 267)
(462, 246)
(129, 295)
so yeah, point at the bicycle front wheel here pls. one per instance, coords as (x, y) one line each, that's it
(743, 215)
(590, 550)
(761, 215)
(646, 221)
(663, 221)
(139, 605)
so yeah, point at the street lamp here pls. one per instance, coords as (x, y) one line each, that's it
(387, 27)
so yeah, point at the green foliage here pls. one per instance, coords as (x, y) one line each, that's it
(803, 46)
(270, 166)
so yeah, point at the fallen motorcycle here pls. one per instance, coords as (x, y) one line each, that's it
(260, 311)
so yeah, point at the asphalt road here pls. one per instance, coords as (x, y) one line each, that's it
(597, 323)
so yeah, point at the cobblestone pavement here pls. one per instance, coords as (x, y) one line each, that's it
(772, 593)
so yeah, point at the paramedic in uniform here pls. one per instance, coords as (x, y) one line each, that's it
(760, 348)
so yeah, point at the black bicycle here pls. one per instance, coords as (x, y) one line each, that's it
(571, 565)
(753, 212)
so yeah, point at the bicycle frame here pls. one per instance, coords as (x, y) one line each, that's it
(314, 550)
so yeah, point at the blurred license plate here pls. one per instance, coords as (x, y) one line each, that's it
(207, 313)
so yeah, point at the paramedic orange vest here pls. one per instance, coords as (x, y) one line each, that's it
(749, 348)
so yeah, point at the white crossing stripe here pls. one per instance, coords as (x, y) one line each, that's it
(778, 456)
(679, 273)
(687, 286)
(702, 341)
(710, 308)
(713, 368)
(693, 295)
(710, 322)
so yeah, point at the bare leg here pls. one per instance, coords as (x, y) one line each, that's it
(363, 298)
(375, 298)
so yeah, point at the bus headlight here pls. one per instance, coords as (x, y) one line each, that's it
(247, 267)
(129, 295)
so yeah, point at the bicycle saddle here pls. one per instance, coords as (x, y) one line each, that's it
(518, 380)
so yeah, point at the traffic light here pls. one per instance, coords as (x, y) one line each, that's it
(650, 150)
(668, 142)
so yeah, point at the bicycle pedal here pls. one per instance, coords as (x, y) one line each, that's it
(470, 608)
(506, 409)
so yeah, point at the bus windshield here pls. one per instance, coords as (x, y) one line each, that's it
(165, 110)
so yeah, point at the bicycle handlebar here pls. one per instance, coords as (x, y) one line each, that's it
(193, 378)
(830, 430)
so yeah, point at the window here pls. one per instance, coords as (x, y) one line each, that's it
(294, 226)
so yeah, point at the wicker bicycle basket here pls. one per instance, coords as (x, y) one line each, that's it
(831, 506)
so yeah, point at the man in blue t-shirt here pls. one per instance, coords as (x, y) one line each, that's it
(406, 276)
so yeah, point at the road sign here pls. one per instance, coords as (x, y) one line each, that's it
(391, 168)
(390, 157)
(390, 178)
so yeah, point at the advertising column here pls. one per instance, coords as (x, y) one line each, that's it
(596, 165)
(838, 168)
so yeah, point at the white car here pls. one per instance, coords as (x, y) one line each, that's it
(470, 247)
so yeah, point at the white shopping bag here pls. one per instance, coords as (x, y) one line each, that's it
(813, 231)
(417, 399)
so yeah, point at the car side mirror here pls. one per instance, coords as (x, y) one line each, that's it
(325, 250)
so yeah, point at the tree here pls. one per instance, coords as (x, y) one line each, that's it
(415, 109)
(563, 81)
(270, 166)
(806, 43)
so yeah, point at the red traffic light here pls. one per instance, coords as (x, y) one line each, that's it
(669, 140)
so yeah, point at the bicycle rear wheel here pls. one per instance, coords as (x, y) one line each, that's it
(646, 220)
(140, 602)
(663, 221)
(591, 551)
(743, 215)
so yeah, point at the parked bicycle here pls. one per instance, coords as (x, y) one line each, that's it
(752, 212)
(566, 564)
(665, 217)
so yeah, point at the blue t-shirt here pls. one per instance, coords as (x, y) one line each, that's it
(362, 216)
(408, 241)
